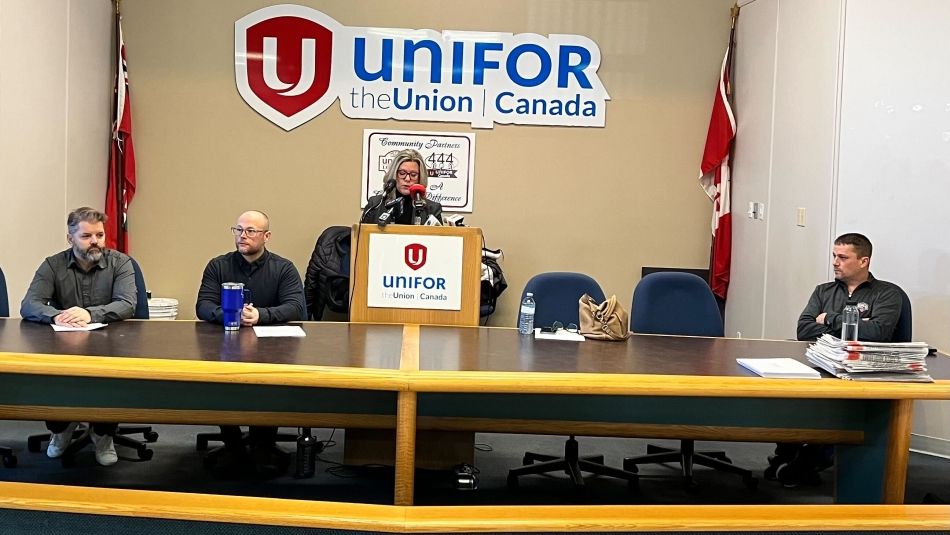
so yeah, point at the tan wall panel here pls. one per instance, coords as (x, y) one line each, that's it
(89, 104)
(54, 125)
(600, 200)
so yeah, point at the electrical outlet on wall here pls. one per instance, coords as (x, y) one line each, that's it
(756, 210)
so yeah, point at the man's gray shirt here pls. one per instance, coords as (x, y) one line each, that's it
(107, 290)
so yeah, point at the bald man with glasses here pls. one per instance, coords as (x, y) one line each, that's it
(276, 292)
(276, 296)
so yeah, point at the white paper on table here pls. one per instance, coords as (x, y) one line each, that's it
(277, 331)
(88, 327)
(780, 368)
(561, 334)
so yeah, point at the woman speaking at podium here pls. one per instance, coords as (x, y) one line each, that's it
(400, 202)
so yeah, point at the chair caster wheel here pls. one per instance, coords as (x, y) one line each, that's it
(34, 444)
(150, 436)
(146, 455)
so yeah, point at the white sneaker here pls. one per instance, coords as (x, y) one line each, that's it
(105, 449)
(58, 442)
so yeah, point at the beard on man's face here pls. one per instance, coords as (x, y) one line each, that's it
(92, 254)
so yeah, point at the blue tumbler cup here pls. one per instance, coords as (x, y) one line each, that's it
(232, 302)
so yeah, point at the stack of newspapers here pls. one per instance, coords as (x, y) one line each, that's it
(871, 361)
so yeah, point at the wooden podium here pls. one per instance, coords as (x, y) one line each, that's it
(433, 449)
(471, 277)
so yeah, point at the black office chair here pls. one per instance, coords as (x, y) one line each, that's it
(904, 330)
(202, 441)
(81, 436)
(679, 303)
(556, 297)
(9, 458)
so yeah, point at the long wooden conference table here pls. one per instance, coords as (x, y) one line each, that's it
(412, 377)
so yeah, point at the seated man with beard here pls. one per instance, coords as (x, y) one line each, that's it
(86, 283)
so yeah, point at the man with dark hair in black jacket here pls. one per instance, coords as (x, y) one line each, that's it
(879, 303)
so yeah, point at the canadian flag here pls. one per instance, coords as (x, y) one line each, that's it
(714, 177)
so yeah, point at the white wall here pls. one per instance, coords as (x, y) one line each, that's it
(786, 104)
(858, 134)
(894, 170)
(55, 104)
(754, 94)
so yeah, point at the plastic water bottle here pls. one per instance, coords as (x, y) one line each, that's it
(306, 455)
(850, 318)
(526, 317)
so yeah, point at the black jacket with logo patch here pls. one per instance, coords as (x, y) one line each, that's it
(879, 313)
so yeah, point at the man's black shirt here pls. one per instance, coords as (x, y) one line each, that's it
(276, 290)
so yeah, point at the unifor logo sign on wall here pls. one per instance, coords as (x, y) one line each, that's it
(292, 62)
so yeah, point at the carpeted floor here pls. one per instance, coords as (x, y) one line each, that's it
(177, 466)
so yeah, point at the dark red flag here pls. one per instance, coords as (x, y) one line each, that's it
(121, 187)
(715, 178)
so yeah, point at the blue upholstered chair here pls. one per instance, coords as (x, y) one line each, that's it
(121, 434)
(121, 438)
(556, 296)
(4, 301)
(9, 458)
(904, 330)
(141, 293)
(682, 304)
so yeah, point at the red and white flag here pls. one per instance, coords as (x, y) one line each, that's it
(715, 178)
(121, 187)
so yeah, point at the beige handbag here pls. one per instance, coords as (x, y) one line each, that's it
(603, 321)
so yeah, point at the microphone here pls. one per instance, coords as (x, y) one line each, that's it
(388, 211)
(417, 192)
(388, 186)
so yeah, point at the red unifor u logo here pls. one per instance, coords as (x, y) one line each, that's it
(415, 255)
(283, 63)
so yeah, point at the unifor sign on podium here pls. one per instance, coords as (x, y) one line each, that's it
(422, 275)
(415, 274)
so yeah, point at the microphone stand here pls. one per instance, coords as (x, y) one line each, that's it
(389, 186)
(417, 213)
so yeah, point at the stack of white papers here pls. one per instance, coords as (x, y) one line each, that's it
(780, 368)
(871, 361)
(162, 308)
